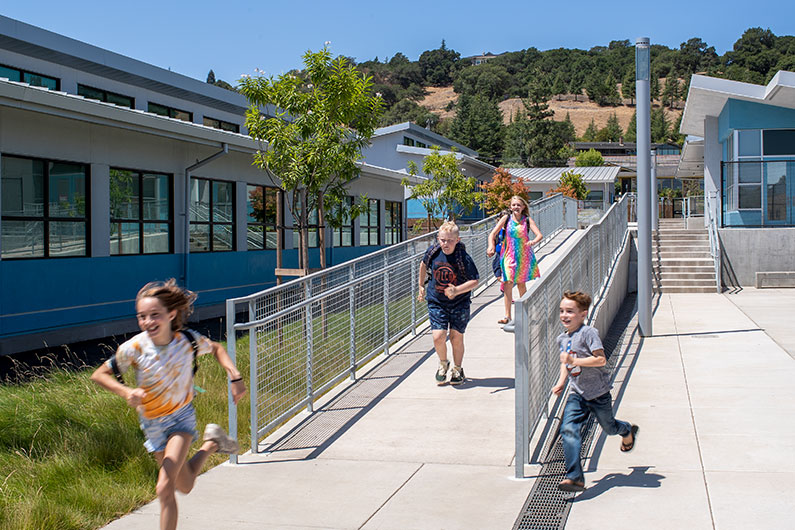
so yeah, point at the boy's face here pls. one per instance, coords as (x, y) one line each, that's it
(448, 241)
(571, 316)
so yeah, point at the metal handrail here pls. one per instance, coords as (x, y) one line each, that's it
(714, 242)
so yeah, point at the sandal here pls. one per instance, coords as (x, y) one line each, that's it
(627, 447)
(504, 320)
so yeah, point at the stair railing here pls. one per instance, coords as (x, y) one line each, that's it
(714, 243)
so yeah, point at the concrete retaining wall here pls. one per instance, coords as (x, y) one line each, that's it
(746, 251)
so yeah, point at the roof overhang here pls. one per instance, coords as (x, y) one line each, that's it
(422, 151)
(55, 103)
(552, 175)
(708, 95)
(388, 174)
(691, 163)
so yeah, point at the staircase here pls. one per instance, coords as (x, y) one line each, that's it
(681, 260)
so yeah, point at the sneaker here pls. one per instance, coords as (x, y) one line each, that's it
(441, 372)
(215, 433)
(457, 377)
(510, 327)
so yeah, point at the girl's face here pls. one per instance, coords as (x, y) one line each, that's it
(155, 320)
(517, 207)
(571, 316)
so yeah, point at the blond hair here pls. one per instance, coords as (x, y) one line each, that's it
(450, 227)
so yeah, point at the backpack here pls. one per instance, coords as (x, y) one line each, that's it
(114, 365)
(458, 254)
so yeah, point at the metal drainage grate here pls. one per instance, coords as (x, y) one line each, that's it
(547, 508)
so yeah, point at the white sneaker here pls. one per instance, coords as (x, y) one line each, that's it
(441, 372)
(215, 433)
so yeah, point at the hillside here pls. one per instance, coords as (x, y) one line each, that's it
(581, 112)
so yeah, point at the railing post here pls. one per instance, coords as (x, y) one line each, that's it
(231, 350)
(414, 293)
(309, 339)
(522, 390)
(386, 306)
(352, 325)
(253, 369)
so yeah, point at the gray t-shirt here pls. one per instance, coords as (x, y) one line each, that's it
(591, 382)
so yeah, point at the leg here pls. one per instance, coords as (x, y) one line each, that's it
(574, 414)
(508, 298)
(171, 461)
(457, 342)
(192, 468)
(602, 407)
(440, 343)
(522, 288)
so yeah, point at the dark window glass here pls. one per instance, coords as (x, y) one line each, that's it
(408, 141)
(220, 124)
(158, 109)
(312, 225)
(343, 234)
(369, 224)
(12, 74)
(91, 93)
(136, 200)
(779, 142)
(104, 95)
(750, 197)
(212, 206)
(33, 227)
(394, 222)
(33, 79)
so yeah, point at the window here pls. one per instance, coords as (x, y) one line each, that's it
(343, 235)
(220, 124)
(421, 144)
(779, 142)
(44, 208)
(140, 213)
(15, 74)
(369, 224)
(104, 95)
(212, 207)
(408, 141)
(311, 221)
(261, 232)
(170, 112)
(394, 222)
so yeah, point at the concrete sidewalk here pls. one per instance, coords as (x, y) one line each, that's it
(712, 392)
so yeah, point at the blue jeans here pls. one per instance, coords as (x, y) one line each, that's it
(574, 415)
(158, 430)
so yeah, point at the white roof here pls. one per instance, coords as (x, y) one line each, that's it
(708, 95)
(432, 137)
(424, 151)
(691, 164)
(595, 174)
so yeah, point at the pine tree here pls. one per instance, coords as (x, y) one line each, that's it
(613, 129)
(628, 87)
(478, 125)
(559, 86)
(654, 88)
(659, 126)
(590, 133)
(211, 77)
(632, 128)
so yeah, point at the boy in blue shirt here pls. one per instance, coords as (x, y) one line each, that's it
(582, 361)
(453, 276)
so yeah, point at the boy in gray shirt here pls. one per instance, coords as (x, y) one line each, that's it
(582, 362)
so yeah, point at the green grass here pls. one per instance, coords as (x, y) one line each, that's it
(72, 455)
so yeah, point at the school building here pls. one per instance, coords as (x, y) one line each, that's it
(116, 172)
(742, 138)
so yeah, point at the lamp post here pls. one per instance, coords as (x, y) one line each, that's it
(642, 67)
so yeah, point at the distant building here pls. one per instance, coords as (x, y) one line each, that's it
(600, 182)
(480, 59)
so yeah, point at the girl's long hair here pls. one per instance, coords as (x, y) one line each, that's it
(173, 297)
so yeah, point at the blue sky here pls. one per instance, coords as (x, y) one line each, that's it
(235, 37)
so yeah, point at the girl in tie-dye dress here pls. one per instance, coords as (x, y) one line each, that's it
(517, 260)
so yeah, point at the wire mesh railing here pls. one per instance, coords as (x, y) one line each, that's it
(308, 335)
(584, 267)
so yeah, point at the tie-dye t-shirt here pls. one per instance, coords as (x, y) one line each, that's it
(165, 373)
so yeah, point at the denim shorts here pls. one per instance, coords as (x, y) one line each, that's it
(455, 317)
(158, 430)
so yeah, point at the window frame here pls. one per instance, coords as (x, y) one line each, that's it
(46, 219)
(210, 222)
(393, 224)
(337, 233)
(235, 128)
(266, 226)
(368, 228)
(171, 111)
(312, 222)
(105, 94)
(141, 221)
(22, 73)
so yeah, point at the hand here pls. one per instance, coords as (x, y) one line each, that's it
(451, 291)
(557, 389)
(566, 358)
(238, 389)
(421, 294)
(135, 397)
(490, 251)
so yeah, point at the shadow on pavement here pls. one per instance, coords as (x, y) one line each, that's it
(638, 478)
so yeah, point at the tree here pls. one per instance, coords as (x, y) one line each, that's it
(632, 128)
(654, 88)
(211, 77)
(670, 93)
(497, 193)
(613, 131)
(438, 66)
(659, 126)
(571, 185)
(628, 87)
(590, 133)
(407, 110)
(489, 80)
(324, 118)
(446, 191)
(559, 87)
(589, 158)
(478, 125)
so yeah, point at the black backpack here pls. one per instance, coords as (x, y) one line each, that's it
(114, 365)
(458, 260)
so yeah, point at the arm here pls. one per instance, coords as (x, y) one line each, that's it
(103, 376)
(238, 387)
(535, 231)
(451, 291)
(423, 272)
(561, 384)
(493, 236)
(596, 361)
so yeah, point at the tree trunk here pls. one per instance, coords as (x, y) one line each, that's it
(304, 231)
(321, 231)
(279, 233)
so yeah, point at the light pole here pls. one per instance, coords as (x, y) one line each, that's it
(642, 66)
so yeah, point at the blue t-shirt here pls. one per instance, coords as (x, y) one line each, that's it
(446, 271)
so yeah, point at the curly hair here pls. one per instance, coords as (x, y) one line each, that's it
(173, 297)
(582, 299)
